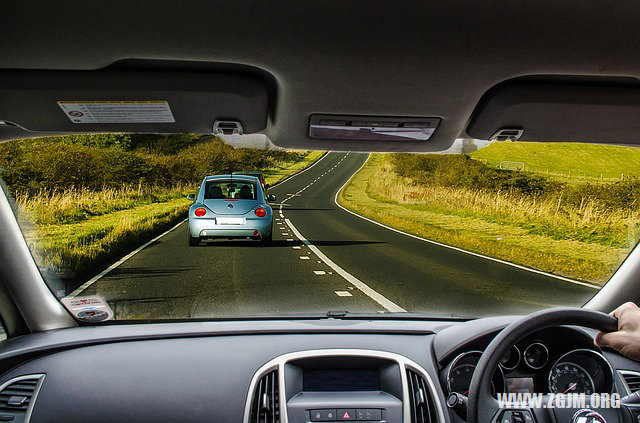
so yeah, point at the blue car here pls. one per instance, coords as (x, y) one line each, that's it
(231, 207)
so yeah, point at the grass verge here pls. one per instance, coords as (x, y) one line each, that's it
(515, 228)
(282, 172)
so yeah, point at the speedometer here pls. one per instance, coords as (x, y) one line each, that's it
(581, 371)
(567, 378)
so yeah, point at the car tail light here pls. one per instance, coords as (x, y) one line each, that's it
(200, 211)
(260, 212)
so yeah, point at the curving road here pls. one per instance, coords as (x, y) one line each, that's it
(322, 258)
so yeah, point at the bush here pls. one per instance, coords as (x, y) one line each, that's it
(462, 171)
(103, 161)
(122, 141)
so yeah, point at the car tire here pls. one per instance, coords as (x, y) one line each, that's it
(267, 239)
(194, 242)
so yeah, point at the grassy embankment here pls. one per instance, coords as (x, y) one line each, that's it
(569, 227)
(85, 201)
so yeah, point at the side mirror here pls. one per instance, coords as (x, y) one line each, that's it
(271, 197)
(191, 197)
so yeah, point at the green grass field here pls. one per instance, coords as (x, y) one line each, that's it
(566, 159)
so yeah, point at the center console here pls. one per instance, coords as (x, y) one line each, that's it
(342, 385)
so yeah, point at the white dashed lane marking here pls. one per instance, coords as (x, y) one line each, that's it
(366, 289)
(304, 257)
(319, 272)
(343, 293)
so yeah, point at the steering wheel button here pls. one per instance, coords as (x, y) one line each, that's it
(506, 417)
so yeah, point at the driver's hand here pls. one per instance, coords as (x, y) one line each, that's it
(627, 339)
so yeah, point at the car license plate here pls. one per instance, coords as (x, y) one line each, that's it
(230, 220)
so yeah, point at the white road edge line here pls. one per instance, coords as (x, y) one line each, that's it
(100, 275)
(369, 292)
(91, 281)
(540, 272)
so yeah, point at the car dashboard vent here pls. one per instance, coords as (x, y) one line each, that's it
(632, 379)
(265, 403)
(18, 395)
(421, 405)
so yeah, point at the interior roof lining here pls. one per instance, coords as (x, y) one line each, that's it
(383, 58)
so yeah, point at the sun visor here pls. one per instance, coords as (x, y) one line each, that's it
(132, 101)
(559, 112)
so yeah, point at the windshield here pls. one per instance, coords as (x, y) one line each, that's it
(149, 227)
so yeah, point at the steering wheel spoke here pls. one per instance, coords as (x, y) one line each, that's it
(505, 413)
(522, 415)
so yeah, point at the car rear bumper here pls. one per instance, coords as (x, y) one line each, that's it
(207, 228)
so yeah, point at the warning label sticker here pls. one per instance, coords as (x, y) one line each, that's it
(117, 111)
(92, 308)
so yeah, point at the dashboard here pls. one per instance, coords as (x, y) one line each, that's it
(284, 371)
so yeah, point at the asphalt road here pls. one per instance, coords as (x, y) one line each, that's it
(322, 258)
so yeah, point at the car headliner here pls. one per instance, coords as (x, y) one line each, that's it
(365, 57)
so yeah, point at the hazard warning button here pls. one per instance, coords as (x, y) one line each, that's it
(346, 414)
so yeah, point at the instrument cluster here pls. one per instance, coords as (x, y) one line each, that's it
(538, 364)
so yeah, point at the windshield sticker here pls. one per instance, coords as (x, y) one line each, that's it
(89, 309)
(117, 111)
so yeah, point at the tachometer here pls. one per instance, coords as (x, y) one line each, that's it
(460, 378)
(460, 371)
(567, 378)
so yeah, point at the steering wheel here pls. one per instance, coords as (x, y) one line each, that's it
(483, 407)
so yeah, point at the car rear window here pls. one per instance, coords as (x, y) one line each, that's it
(229, 189)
